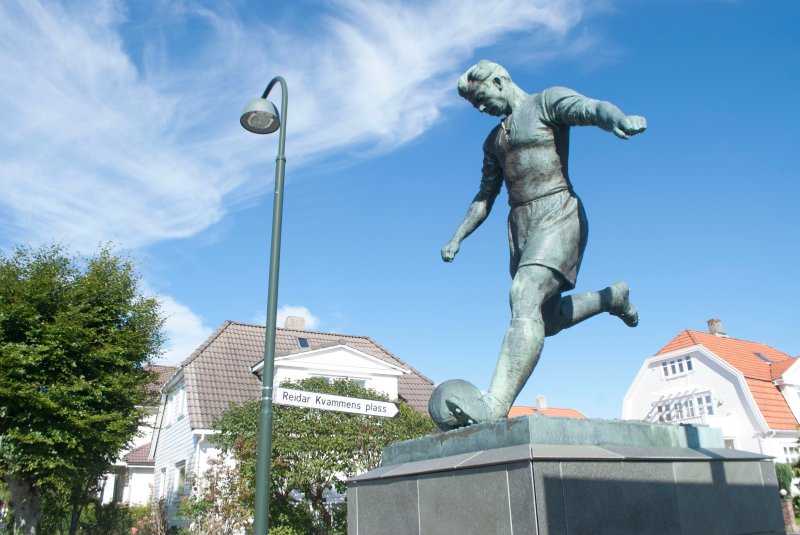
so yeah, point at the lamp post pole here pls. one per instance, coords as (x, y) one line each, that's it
(259, 120)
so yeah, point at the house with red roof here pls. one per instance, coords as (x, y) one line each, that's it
(541, 409)
(226, 370)
(749, 390)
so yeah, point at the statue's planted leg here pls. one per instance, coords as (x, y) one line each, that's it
(457, 403)
(533, 286)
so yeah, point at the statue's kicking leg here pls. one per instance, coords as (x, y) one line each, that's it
(562, 313)
(537, 310)
(532, 286)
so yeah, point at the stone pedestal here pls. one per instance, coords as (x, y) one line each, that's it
(538, 475)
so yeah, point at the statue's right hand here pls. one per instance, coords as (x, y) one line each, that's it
(449, 251)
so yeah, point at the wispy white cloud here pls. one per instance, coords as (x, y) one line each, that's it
(311, 321)
(117, 127)
(184, 330)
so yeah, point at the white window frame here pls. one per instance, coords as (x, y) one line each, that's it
(360, 381)
(677, 367)
(684, 408)
(177, 484)
(705, 404)
(162, 483)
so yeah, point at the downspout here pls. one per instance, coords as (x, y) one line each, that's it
(198, 475)
(764, 437)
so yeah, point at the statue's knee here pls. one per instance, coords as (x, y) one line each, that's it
(530, 289)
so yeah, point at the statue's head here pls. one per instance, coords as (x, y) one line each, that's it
(486, 86)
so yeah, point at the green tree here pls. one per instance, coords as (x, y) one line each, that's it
(313, 451)
(75, 337)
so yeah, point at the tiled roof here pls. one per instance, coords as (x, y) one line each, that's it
(759, 371)
(218, 372)
(163, 373)
(524, 410)
(138, 455)
(779, 368)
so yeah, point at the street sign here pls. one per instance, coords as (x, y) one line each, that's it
(328, 402)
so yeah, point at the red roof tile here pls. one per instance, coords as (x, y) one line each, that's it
(779, 368)
(758, 372)
(524, 410)
(138, 455)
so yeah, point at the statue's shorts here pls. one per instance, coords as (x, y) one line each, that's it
(550, 231)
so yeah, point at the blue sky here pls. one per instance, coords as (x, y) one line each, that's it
(120, 122)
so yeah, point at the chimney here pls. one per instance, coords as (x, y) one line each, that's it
(541, 402)
(715, 327)
(295, 323)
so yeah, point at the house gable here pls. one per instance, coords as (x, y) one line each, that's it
(757, 363)
(219, 372)
(335, 362)
(671, 377)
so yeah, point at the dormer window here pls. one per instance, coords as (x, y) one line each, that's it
(675, 367)
(330, 379)
(302, 342)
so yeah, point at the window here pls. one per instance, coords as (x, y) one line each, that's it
(705, 404)
(180, 477)
(162, 483)
(330, 379)
(302, 342)
(675, 367)
(175, 405)
(689, 406)
(730, 443)
(680, 409)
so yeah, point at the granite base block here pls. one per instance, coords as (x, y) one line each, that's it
(634, 487)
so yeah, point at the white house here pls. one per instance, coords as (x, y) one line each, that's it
(224, 370)
(130, 479)
(749, 390)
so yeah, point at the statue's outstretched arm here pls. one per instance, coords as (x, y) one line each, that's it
(481, 205)
(476, 214)
(565, 106)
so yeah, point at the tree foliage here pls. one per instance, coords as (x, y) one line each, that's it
(75, 337)
(313, 453)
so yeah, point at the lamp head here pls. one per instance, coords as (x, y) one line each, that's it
(260, 116)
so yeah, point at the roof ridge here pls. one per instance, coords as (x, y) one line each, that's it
(204, 345)
(726, 337)
(324, 345)
(691, 336)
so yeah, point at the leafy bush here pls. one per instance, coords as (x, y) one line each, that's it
(313, 453)
(785, 475)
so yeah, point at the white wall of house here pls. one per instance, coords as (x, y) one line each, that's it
(175, 450)
(340, 362)
(138, 485)
(711, 392)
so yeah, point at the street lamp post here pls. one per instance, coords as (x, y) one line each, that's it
(261, 117)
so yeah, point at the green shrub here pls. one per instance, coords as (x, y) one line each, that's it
(785, 474)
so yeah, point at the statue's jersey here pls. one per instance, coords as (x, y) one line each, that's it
(529, 151)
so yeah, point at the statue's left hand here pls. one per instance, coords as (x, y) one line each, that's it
(629, 126)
